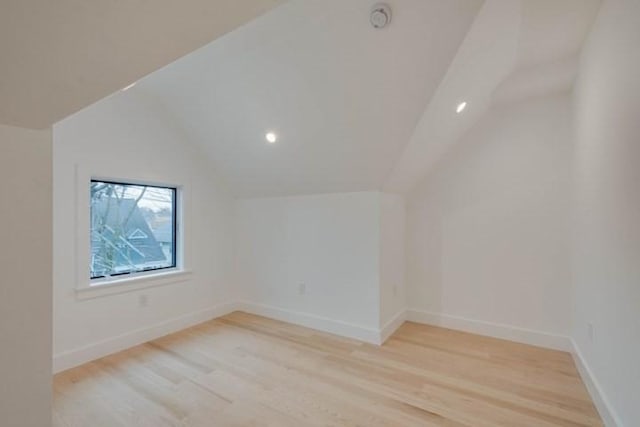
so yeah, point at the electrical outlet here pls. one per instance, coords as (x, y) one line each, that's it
(143, 300)
(302, 288)
(590, 331)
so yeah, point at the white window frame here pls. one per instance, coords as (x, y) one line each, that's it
(87, 288)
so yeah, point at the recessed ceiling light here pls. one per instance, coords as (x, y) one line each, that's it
(271, 137)
(129, 87)
(461, 107)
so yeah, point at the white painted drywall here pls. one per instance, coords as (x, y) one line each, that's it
(487, 230)
(329, 243)
(606, 239)
(392, 257)
(125, 136)
(25, 289)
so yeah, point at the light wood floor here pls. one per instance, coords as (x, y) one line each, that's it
(245, 370)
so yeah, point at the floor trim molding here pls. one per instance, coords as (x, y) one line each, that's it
(600, 400)
(78, 356)
(495, 330)
(392, 325)
(72, 358)
(312, 321)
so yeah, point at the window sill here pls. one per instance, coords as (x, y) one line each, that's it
(122, 285)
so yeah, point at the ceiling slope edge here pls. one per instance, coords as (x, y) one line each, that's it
(60, 57)
(486, 57)
(515, 50)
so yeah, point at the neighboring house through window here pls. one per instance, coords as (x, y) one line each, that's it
(138, 234)
(133, 228)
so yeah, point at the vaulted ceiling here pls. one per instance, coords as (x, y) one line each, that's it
(515, 49)
(342, 96)
(355, 108)
(57, 57)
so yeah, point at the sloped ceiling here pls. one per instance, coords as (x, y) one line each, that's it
(354, 108)
(343, 97)
(515, 49)
(357, 108)
(57, 57)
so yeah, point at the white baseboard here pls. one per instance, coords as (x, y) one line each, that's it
(313, 321)
(603, 404)
(496, 330)
(76, 357)
(392, 325)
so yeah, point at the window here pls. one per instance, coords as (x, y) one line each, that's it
(133, 228)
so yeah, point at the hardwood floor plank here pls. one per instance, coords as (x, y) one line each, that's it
(245, 370)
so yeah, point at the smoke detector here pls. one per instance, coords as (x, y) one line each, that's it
(380, 15)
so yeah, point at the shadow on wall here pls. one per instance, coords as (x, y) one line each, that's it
(487, 228)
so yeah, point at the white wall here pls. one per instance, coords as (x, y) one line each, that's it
(125, 136)
(607, 207)
(329, 242)
(487, 235)
(25, 289)
(392, 258)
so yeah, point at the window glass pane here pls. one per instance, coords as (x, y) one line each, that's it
(133, 228)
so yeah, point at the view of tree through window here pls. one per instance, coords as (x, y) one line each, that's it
(133, 228)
